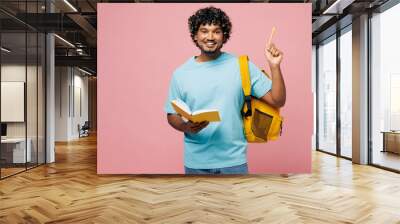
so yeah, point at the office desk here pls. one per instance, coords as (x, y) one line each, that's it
(13, 150)
(391, 141)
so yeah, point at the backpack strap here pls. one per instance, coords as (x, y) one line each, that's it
(246, 84)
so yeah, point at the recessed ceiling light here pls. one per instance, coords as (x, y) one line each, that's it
(338, 6)
(71, 6)
(84, 71)
(5, 50)
(64, 40)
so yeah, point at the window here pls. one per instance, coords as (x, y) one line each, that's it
(385, 88)
(346, 92)
(327, 95)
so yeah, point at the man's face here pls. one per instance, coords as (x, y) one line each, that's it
(209, 38)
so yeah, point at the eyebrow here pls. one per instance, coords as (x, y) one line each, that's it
(216, 29)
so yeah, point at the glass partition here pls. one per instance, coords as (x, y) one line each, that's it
(22, 88)
(32, 95)
(13, 110)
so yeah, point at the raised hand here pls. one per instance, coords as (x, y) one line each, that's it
(272, 53)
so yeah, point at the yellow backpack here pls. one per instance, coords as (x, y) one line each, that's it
(261, 121)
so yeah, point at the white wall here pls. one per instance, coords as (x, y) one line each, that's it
(34, 125)
(71, 93)
(81, 102)
(62, 81)
(12, 73)
(9, 73)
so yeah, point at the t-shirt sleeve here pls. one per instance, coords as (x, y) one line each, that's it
(173, 93)
(260, 83)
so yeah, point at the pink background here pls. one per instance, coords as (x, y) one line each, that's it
(140, 45)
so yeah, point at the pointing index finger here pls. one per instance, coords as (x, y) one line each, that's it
(270, 37)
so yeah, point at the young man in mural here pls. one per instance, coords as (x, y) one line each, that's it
(212, 80)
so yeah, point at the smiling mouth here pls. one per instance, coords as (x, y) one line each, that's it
(210, 44)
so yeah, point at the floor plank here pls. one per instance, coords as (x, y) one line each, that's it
(70, 191)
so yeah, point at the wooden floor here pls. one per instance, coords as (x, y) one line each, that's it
(9, 171)
(5, 172)
(70, 191)
(387, 159)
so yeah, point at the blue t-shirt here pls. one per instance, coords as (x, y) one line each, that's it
(217, 85)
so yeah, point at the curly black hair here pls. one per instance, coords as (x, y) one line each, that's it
(210, 15)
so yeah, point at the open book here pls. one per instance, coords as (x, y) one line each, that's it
(196, 116)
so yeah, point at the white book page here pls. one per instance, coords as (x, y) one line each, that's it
(203, 111)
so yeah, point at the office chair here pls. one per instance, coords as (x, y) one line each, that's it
(84, 130)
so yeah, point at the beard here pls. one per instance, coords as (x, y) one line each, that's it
(209, 52)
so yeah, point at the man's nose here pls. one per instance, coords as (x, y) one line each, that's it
(210, 36)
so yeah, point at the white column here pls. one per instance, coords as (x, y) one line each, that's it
(50, 100)
(360, 90)
(50, 92)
